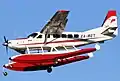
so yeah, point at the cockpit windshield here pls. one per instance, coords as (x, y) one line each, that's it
(32, 35)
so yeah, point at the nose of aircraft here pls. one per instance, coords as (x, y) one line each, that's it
(4, 66)
(6, 41)
(5, 44)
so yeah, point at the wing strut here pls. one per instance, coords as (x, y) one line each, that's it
(28, 51)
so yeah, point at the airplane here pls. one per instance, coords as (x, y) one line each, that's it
(53, 35)
(61, 46)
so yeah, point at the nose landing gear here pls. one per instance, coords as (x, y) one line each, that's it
(5, 73)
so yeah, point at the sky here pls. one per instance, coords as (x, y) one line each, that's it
(19, 18)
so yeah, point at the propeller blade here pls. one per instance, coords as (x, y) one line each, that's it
(5, 39)
(7, 50)
(6, 44)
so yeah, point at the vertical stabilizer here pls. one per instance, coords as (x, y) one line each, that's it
(110, 23)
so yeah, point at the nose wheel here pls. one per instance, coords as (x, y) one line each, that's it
(49, 70)
(5, 73)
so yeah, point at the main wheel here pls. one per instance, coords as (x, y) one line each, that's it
(5, 73)
(49, 70)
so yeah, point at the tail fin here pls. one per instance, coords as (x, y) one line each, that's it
(110, 23)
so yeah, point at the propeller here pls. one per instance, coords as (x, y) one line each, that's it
(6, 44)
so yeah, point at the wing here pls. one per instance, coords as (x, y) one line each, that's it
(57, 23)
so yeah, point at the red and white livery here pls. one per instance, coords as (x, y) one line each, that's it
(54, 47)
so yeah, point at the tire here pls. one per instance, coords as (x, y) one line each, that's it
(5, 73)
(49, 70)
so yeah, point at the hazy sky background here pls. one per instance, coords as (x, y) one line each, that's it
(18, 18)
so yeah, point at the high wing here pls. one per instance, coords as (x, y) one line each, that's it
(57, 23)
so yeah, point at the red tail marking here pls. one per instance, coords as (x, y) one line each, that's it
(62, 10)
(112, 20)
(110, 13)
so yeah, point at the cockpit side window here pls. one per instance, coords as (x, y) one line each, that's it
(32, 35)
(40, 36)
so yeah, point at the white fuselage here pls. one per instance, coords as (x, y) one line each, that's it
(67, 39)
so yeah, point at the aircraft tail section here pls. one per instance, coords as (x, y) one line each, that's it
(110, 24)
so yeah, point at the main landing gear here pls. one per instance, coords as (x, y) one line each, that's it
(49, 70)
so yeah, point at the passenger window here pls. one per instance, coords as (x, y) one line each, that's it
(56, 36)
(48, 36)
(70, 36)
(76, 36)
(64, 36)
(40, 36)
